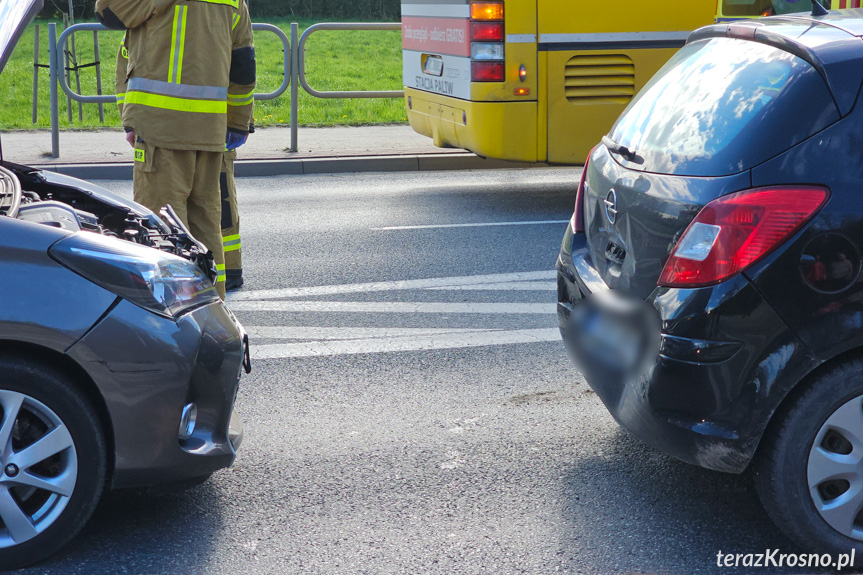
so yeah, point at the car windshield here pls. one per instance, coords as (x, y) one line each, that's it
(721, 106)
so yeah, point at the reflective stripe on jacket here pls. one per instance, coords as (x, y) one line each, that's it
(190, 74)
(121, 79)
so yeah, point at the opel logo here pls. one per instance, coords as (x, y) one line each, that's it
(611, 206)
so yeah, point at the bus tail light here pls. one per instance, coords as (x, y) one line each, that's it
(486, 51)
(487, 71)
(733, 232)
(486, 31)
(486, 10)
(487, 42)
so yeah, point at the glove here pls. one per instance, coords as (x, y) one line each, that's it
(234, 140)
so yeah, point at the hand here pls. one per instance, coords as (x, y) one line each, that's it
(234, 140)
(130, 137)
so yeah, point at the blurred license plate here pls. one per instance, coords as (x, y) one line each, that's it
(613, 335)
(433, 66)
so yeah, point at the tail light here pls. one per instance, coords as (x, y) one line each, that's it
(733, 232)
(486, 31)
(486, 11)
(578, 213)
(487, 42)
(486, 71)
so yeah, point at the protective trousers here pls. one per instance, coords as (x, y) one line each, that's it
(231, 218)
(189, 181)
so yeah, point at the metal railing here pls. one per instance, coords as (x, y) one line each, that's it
(348, 94)
(294, 72)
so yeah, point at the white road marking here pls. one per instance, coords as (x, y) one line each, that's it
(348, 333)
(403, 344)
(394, 307)
(310, 341)
(388, 286)
(478, 225)
(509, 286)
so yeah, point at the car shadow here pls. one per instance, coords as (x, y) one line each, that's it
(631, 509)
(140, 532)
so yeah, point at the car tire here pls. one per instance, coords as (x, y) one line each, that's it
(52, 411)
(794, 473)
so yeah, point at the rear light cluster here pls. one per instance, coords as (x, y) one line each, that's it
(487, 42)
(578, 213)
(733, 232)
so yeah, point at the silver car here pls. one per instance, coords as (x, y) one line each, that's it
(119, 365)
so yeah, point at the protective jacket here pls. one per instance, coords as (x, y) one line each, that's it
(230, 208)
(191, 69)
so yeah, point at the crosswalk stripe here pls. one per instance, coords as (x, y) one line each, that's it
(416, 343)
(508, 286)
(388, 286)
(478, 225)
(394, 307)
(346, 333)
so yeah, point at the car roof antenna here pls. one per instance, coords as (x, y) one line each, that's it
(818, 9)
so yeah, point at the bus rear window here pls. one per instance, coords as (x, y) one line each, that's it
(755, 8)
(722, 106)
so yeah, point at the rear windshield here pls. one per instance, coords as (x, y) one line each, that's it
(722, 106)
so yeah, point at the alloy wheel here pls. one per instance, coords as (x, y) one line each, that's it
(38, 468)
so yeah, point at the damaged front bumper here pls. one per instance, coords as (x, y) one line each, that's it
(725, 362)
(170, 364)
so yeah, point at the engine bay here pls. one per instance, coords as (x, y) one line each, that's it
(46, 198)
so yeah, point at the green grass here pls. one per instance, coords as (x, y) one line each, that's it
(335, 61)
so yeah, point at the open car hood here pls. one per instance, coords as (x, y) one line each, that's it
(15, 15)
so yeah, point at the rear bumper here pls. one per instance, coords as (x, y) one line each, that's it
(147, 368)
(725, 363)
(502, 130)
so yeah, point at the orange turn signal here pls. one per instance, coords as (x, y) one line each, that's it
(486, 10)
(522, 91)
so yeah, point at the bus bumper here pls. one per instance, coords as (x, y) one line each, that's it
(502, 130)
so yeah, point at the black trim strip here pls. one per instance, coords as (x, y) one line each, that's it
(626, 45)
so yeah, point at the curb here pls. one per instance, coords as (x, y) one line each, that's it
(306, 166)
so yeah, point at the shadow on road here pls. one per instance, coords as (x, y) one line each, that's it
(136, 532)
(650, 513)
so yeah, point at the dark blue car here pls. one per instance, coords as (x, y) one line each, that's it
(729, 197)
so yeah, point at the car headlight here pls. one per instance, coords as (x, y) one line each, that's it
(156, 281)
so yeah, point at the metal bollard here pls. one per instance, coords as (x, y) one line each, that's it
(295, 73)
(36, 77)
(54, 79)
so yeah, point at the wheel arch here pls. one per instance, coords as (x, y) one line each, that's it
(43, 356)
(796, 391)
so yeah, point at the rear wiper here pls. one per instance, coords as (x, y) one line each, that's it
(621, 150)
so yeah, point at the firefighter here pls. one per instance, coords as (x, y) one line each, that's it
(188, 99)
(230, 221)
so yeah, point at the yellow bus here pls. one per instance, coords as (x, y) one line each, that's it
(543, 80)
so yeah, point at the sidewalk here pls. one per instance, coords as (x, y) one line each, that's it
(104, 154)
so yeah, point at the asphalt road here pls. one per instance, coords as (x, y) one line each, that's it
(415, 412)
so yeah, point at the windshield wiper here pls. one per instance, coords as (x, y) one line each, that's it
(621, 150)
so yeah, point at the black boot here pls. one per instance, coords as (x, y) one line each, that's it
(233, 280)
